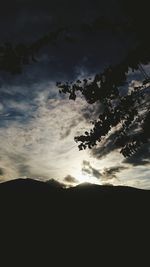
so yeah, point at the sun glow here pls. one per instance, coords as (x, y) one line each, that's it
(84, 178)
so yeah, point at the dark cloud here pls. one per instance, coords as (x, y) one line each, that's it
(107, 146)
(106, 175)
(70, 179)
(142, 157)
(110, 173)
(87, 168)
(1, 171)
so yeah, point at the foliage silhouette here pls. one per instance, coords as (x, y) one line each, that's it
(130, 113)
(13, 57)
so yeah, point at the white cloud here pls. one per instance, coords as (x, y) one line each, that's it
(41, 147)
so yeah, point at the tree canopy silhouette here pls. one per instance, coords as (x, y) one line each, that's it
(127, 115)
(14, 56)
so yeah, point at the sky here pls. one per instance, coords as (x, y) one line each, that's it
(37, 123)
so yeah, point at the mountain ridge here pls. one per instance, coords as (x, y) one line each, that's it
(27, 182)
(68, 222)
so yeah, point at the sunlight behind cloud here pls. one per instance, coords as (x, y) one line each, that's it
(85, 178)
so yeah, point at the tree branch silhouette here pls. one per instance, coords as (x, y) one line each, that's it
(130, 113)
(13, 57)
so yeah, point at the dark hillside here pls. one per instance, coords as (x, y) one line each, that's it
(86, 223)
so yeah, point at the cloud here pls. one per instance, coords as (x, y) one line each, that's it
(65, 130)
(40, 141)
(142, 157)
(111, 173)
(106, 175)
(70, 180)
(87, 168)
(1, 171)
(106, 146)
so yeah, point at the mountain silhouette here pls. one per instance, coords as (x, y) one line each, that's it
(28, 189)
(49, 198)
(78, 225)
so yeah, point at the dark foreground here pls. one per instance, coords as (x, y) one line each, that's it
(87, 222)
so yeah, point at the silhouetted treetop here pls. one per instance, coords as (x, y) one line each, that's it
(14, 56)
(129, 113)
